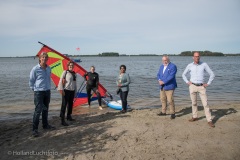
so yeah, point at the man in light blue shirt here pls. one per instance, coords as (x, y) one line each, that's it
(197, 84)
(40, 83)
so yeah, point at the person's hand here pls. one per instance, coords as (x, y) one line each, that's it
(62, 92)
(161, 82)
(189, 83)
(205, 85)
(119, 85)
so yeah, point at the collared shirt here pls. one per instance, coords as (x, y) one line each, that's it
(164, 68)
(40, 79)
(197, 73)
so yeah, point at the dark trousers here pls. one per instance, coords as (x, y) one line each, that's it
(41, 101)
(67, 102)
(89, 89)
(123, 96)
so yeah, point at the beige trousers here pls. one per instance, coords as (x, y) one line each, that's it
(167, 96)
(202, 93)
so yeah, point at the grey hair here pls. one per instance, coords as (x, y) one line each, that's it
(167, 57)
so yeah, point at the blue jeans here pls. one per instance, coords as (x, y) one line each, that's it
(41, 101)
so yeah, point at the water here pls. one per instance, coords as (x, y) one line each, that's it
(17, 98)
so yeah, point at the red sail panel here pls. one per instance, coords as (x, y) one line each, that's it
(58, 63)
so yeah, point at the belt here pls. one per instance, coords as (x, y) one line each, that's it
(197, 84)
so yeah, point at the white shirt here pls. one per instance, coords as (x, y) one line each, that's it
(164, 68)
(197, 72)
(70, 83)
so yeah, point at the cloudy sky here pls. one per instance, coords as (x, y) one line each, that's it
(123, 26)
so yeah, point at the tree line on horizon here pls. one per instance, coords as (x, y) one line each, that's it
(112, 54)
(184, 53)
(202, 53)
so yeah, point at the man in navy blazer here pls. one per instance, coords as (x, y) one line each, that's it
(167, 84)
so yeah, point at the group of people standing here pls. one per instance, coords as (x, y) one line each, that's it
(167, 82)
(40, 83)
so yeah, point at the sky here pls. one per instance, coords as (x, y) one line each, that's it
(123, 26)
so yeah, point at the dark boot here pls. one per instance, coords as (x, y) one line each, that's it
(69, 118)
(62, 115)
(172, 116)
(63, 122)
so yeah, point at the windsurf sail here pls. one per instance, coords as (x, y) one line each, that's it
(58, 63)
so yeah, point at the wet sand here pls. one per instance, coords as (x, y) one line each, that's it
(137, 135)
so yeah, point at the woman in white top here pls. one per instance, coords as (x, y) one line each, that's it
(68, 88)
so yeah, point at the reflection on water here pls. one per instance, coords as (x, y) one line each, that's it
(16, 97)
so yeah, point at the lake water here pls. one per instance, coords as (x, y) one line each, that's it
(17, 98)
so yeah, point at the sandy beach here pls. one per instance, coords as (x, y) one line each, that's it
(136, 135)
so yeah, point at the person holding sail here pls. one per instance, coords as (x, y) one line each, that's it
(92, 85)
(68, 88)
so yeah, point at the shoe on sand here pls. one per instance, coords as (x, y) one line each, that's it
(162, 114)
(172, 116)
(193, 119)
(35, 133)
(211, 124)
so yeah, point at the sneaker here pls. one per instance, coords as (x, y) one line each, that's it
(211, 124)
(100, 107)
(172, 116)
(49, 127)
(64, 123)
(123, 111)
(35, 133)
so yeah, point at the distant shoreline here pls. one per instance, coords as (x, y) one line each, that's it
(224, 55)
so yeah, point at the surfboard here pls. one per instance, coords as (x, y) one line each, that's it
(114, 104)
